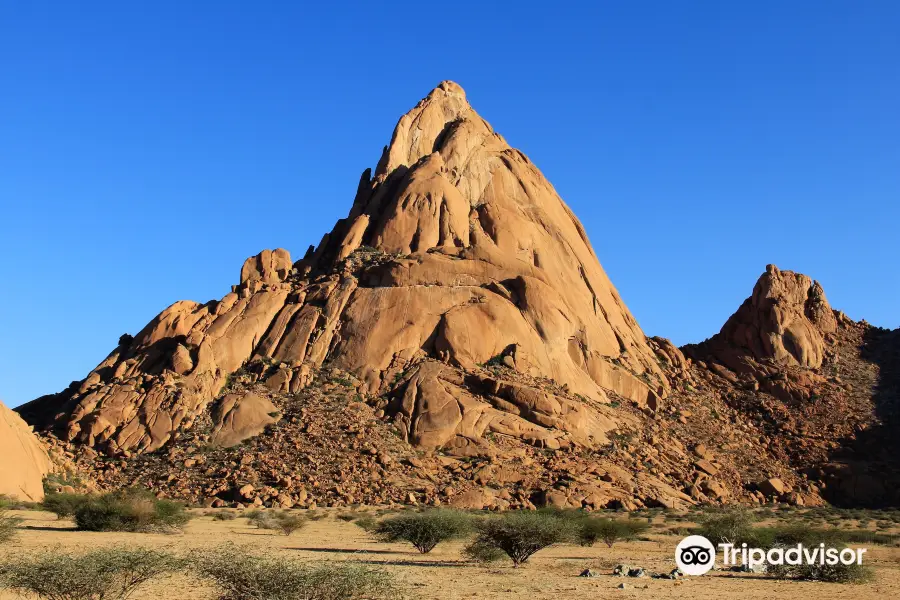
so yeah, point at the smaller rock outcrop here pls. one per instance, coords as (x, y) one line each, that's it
(785, 321)
(777, 338)
(23, 460)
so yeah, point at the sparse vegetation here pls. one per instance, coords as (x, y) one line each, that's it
(591, 529)
(16, 504)
(284, 522)
(520, 534)
(224, 515)
(243, 576)
(287, 523)
(424, 530)
(8, 525)
(479, 551)
(366, 523)
(105, 574)
(732, 525)
(130, 510)
(839, 573)
(64, 505)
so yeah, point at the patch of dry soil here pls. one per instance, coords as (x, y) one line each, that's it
(444, 575)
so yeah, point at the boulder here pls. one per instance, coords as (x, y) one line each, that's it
(240, 417)
(771, 487)
(476, 499)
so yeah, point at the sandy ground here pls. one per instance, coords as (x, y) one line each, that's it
(444, 575)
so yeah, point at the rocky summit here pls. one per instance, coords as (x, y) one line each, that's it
(455, 339)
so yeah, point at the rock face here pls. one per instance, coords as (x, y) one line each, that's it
(784, 321)
(777, 336)
(456, 252)
(25, 461)
(241, 417)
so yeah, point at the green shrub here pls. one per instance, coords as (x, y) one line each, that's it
(105, 574)
(728, 526)
(284, 522)
(591, 529)
(349, 517)
(839, 573)
(130, 510)
(479, 551)
(791, 535)
(8, 525)
(520, 534)
(424, 530)
(242, 576)
(367, 523)
(287, 523)
(64, 505)
(16, 504)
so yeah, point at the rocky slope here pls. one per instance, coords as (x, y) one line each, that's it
(25, 460)
(455, 340)
(456, 251)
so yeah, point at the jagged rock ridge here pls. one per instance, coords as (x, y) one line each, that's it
(456, 252)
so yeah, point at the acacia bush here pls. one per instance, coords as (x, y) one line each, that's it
(839, 573)
(479, 551)
(64, 505)
(424, 530)
(105, 574)
(591, 529)
(284, 522)
(520, 534)
(242, 576)
(733, 525)
(287, 523)
(130, 510)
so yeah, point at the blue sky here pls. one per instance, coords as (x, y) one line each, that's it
(148, 148)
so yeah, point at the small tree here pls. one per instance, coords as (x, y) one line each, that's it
(521, 534)
(64, 505)
(591, 529)
(284, 522)
(288, 523)
(729, 526)
(424, 530)
(105, 574)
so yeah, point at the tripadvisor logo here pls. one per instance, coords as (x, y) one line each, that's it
(695, 555)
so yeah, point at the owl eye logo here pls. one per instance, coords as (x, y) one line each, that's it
(695, 555)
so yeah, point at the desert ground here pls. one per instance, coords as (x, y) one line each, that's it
(444, 574)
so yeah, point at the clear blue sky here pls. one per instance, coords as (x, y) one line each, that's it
(148, 148)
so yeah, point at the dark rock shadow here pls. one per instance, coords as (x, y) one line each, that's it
(865, 470)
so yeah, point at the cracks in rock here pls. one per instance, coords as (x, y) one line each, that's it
(590, 288)
(486, 222)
